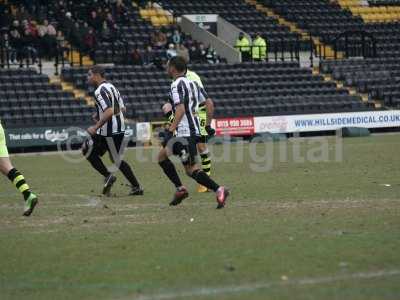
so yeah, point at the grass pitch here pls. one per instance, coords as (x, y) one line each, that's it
(303, 230)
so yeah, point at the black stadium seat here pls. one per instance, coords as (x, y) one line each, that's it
(258, 89)
(34, 102)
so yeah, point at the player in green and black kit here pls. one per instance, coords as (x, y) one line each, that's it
(205, 130)
(15, 176)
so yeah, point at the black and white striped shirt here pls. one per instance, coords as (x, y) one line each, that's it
(107, 96)
(189, 93)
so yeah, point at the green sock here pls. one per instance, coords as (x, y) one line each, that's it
(206, 162)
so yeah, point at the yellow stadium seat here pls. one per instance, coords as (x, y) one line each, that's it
(155, 21)
(163, 20)
(382, 9)
(144, 13)
(152, 12)
(160, 12)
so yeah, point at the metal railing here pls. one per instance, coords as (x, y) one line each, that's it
(345, 45)
(277, 51)
(22, 57)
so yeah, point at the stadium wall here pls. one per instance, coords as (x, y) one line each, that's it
(223, 49)
(229, 32)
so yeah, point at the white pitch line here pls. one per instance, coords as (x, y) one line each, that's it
(197, 292)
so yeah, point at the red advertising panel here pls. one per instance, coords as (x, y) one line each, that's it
(235, 126)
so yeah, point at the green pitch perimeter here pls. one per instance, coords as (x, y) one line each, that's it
(303, 230)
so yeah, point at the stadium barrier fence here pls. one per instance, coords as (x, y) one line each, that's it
(345, 45)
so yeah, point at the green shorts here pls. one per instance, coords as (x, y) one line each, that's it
(3, 146)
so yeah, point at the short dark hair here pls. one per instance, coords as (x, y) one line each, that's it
(98, 70)
(179, 63)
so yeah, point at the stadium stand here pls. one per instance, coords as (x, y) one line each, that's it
(319, 17)
(374, 12)
(378, 77)
(258, 89)
(108, 32)
(328, 19)
(28, 99)
(375, 75)
(244, 16)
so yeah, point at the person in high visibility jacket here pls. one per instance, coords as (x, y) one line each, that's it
(259, 48)
(244, 46)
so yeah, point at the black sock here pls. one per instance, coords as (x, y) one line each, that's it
(169, 170)
(19, 181)
(202, 178)
(128, 173)
(98, 164)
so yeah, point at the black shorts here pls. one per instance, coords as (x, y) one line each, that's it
(99, 145)
(185, 148)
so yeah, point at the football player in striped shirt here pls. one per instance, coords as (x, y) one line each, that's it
(107, 134)
(205, 131)
(183, 134)
(6, 167)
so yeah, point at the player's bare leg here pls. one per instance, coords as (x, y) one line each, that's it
(170, 170)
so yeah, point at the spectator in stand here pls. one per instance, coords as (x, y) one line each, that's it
(244, 46)
(21, 13)
(171, 52)
(203, 53)
(5, 18)
(29, 40)
(121, 11)
(76, 35)
(30, 28)
(47, 39)
(51, 30)
(110, 20)
(16, 41)
(259, 48)
(212, 57)
(182, 51)
(106, 34)
(85, 29)
(168, 34)
(62, 43)
(89, 42)
(95, 21)
(136, 56)
(158, 39)
(194, 54)
(42, 29)
(149, 55)
(177, 37)
(10, 53)
(68, 25)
